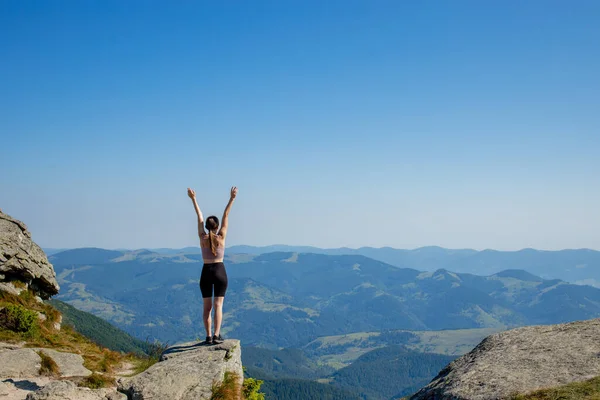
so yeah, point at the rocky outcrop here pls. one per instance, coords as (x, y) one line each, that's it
(520, 361)
(17, 362)
(185, 372)
(21, 260)
(66, 390)
(20, 376)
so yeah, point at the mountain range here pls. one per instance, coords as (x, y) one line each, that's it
(288, 299)
(307, 319)
(580, 266)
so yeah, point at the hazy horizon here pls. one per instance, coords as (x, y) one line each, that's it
(462, 124)
(322, 248)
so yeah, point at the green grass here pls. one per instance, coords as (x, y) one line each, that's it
(24, 325)
(228, 389)
(586, 390)
(48, 366)
(97, 381)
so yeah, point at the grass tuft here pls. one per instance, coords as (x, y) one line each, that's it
(586, 390)
(228, 389)
(48, 366)
(97, 381)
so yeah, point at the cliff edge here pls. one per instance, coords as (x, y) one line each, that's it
(186, 372)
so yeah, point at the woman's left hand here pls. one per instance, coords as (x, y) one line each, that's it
(191, 193)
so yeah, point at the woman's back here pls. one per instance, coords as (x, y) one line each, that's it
(219, 245)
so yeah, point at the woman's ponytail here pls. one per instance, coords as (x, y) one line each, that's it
(212, 223)
(213, 247)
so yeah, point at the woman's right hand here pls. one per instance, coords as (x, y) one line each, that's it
(234, 191)
(191, 193)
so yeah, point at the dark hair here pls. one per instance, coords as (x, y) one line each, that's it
(212, 224)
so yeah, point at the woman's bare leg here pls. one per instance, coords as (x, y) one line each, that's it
(218, 314)
(206, 314)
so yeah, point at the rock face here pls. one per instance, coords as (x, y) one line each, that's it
(66, 390)
(24, 261)
(185, 372)
(20, 377)
(520, 361)
(25, 362)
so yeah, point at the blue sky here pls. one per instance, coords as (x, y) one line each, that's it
(343, 123)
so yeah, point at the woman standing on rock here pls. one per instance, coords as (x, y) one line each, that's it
(213, 271)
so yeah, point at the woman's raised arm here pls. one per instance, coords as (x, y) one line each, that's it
(192, 195)
(225, 220)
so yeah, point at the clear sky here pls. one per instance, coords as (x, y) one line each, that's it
(343, 123)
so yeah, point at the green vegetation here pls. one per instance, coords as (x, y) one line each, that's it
(341, 350)
(228, 389)
(285, 363)
(587, 390)
(16, 318)
(390, 371)
(299, 389)
(48, 366)
(21, 312)
(98, 330)
(97, 381)
(250, 389)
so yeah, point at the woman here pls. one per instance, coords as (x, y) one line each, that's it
(213, 271)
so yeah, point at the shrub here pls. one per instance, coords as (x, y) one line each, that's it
(251, 388)
(17, 318)
(48, 366)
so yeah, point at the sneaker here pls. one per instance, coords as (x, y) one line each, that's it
(209, 340)
(217, 339)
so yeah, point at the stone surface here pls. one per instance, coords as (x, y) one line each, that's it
(18, 389)
(4, 389)
(185, 372)
(9, 287)
(69, 364)
(23, 260)
(520, 361)
(16, 362)
(66, 390)
(19, 363)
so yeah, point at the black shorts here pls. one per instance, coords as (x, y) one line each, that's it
(213, 274)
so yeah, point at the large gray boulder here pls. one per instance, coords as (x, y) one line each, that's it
(23, 260)
(185, 372)
(66, 390)
(520, 361)
(17, 363)
(69, 364)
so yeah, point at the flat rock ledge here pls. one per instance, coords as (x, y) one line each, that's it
(185, 372)
(66, 390)
(20, 377)
(26, 362)
(520, 361)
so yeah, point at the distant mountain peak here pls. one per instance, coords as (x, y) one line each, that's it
(518, 274)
